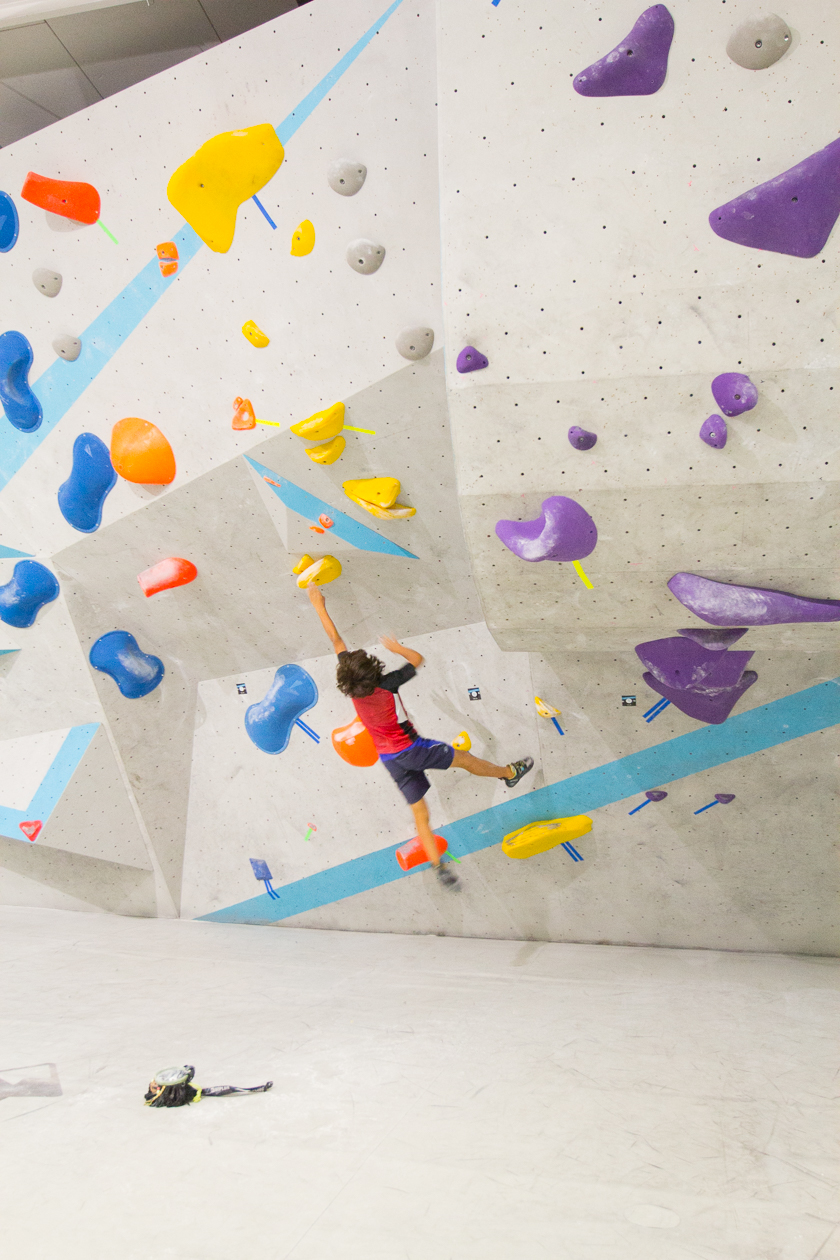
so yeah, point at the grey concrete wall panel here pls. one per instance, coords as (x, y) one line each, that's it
(90, 882)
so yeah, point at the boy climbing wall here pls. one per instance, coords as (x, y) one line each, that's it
(405, 755)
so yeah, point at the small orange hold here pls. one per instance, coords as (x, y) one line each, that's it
(324, 520)
(140, 453)
(354, 744)
(167, 258)
(243, 414)
(412, 852)
(316, 529)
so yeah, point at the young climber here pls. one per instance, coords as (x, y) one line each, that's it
(405, 755)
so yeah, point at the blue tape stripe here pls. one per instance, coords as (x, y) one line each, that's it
(64, 383)
(9, 552)
(49, 791)
(814, 709)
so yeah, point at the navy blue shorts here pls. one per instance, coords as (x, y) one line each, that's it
(406, 767)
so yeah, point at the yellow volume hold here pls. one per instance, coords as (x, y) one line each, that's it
(327, 452)
(539, 837)
(322, 425)
(327, 569)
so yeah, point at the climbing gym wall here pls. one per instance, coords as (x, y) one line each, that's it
(313, 280)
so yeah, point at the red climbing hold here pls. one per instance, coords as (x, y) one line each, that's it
(173, 571)
(31, 829)
(412, 852)
(243, 414)
(66, 197)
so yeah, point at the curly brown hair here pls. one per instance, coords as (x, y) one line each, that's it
(358, 673)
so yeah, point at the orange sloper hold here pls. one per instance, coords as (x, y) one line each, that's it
(243, 414)
(167, 258)
(70, 199)
(163, 576)
(140, 453)
(354, 744)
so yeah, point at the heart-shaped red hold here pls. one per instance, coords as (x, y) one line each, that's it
(31, 829)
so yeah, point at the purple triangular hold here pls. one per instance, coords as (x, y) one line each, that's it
(714, 640)
(563, 531)
(582, 439)
(725, 798)
(656, 796)
(713, 432)
(734, 393)
(637, 67)
(471, 360)
(685, 665)
(791, 214)
(713, 709)
(722, 604)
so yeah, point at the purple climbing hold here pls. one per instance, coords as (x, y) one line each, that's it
(791, 214)
(705, 707)
(685, 665)
(471, 360)
(564, 531)
(723, 604)
(734, 393)
(637, 67)
(582, 439)
(725, 798)
(713, 432)
(714, 640)
(656, 796)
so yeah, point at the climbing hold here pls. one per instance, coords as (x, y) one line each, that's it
(303, 563)
(167, 258)
(378, 495)
(346, 177)
(471, 360)
(545, 710)
(413, 854)
(243, 414)
(322, 425)
(22, 408)
(734, 393)
(713, 432)
(31, 829)
(92, 478)
(759, 42)
(724, 604)
(209, 187)
(166, 574)
(564, 531)
(316, 529)
(462, 742)
(140, 453)
(582, 439)
(68, 348)
(656, 796)
(538, 837)
(269, 723)
(365, 257)
(9, 223)
(21, 599)
(317, 573)
(725, 798)
(638, 65)
(706, 706)
(791, 214)
(46, 281)
(325, 521)
(415, 343)
(714, 640)
(354, 744)
(68, 198)
(327, 452)
(118, 655)
(681, 663)
(255, 335)
(303, 239)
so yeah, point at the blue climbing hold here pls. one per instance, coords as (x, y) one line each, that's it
(117, 654)
(9, 223)
(91, 480)
(22, 599)
(19, 403)
(269, 723)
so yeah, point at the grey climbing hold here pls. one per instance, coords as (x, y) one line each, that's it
(68, 348)
(365, 257)
(46, 281)
(713, 432)
(759, 43)
(346, 177)
(415, 343)
(582, 439)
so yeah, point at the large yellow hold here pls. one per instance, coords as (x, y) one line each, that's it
(327, 452)
(323, 425)
(378, 496)
(317, 572)
(539, 837)
(303, 239)
(209, 187)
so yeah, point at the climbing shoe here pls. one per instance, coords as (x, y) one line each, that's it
(446, 876)
(520, 769)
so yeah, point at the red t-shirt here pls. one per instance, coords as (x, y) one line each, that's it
(378, 712)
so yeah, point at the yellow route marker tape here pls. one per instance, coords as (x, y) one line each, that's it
(356, 430)
(579, 571)
(274, 423)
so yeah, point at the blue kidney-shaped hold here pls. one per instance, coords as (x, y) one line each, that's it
(22, 408)
(9, 223)
(91, 480)
(269, 723)
(135, 672)
(31, 587)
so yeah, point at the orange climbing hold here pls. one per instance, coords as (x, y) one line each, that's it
(412, 852)
(31, 829)
(324, 520)
(140, 453)
(243, 414)
(163, 576)
(66, 197)
(167, 258)
(354, 744)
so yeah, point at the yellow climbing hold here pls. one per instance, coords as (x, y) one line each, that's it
(209, 187)
(538, 837)
(545, 710)
(327, 452)
(255, 335)
(303, 239)
(380, 490)
(462, 742)
(323, 425)
(303, 563)
(327, 569)
(399, 511)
